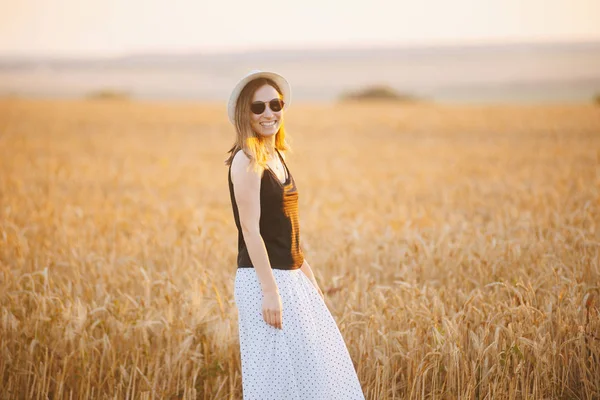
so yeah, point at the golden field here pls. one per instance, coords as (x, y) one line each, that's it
(458, 246)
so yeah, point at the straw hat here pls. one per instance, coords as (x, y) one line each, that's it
(286, 91)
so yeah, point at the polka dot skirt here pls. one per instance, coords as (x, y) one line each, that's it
(307, 359)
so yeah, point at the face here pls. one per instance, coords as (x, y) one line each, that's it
(267, 123)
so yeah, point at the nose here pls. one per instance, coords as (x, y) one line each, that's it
(268, 112)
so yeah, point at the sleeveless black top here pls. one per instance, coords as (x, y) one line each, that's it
(278, 223)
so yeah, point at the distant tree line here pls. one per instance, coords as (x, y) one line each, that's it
(379, 92)
(108, 94)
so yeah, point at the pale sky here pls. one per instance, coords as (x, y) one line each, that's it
(117, 27)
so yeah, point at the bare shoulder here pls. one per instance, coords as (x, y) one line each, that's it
(242, 172)
(240, 162)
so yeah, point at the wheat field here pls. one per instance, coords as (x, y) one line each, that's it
(458, 247)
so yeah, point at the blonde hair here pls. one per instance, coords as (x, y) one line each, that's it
(250, 142)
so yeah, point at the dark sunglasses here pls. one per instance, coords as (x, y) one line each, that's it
(258, 107)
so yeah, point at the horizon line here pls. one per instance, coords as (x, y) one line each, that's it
(359, 46)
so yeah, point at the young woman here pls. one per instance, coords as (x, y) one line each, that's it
(290, 345)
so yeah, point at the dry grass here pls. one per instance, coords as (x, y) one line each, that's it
(459, 248)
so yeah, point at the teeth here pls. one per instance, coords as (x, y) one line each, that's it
(268, 123)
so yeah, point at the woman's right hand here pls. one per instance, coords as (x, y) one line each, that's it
(272, 309)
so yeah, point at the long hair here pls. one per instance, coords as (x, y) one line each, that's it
(250, 142)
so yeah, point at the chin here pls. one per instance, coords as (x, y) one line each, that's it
(268, 133)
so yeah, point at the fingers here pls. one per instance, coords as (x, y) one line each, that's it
(278, 320)
(273, 318)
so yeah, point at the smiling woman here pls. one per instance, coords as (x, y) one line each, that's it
(255, 122)
(290, 345)
(266, 115)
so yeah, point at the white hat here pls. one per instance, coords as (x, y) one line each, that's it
(286, 91)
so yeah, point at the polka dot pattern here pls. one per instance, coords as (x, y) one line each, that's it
(307, 359)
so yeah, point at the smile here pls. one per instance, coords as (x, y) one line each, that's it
(268, 124)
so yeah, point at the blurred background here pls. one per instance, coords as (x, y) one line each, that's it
(459, 51)
(454, 230)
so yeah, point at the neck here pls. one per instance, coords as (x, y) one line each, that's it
(270, 144)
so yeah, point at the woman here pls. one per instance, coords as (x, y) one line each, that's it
(291, 347)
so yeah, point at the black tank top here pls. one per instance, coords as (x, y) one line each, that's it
(278, 223)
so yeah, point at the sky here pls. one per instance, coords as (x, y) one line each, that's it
(119, 27)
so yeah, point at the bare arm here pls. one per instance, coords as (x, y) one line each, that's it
(246, 184)
(246, 189)
(305, 268)
(308, 271)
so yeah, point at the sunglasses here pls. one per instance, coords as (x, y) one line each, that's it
(258, 107)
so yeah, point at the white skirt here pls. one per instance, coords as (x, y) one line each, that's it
(307, 359)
